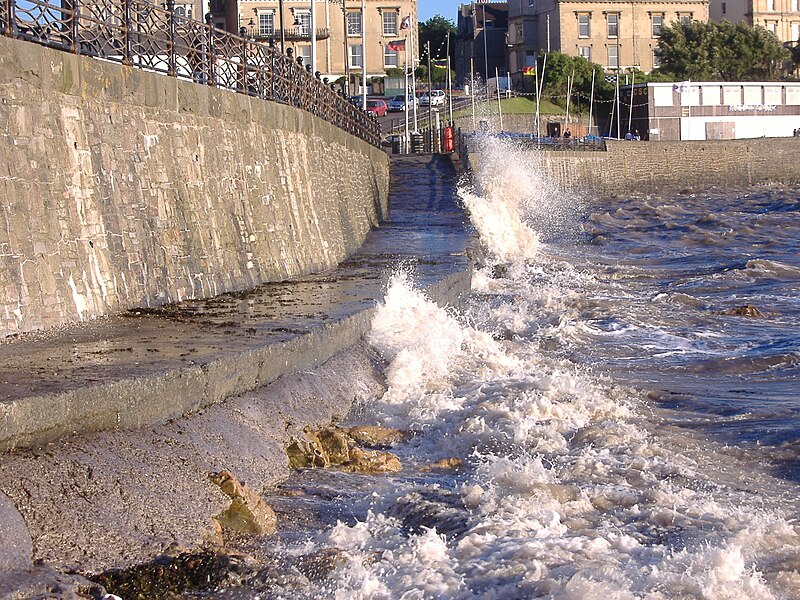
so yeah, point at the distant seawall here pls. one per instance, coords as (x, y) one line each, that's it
(671, 167)
(122, 188)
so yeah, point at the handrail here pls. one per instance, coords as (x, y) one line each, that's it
(146, 36)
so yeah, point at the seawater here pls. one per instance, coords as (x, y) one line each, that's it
(625, 433)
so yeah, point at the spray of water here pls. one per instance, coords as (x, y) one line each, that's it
(568, 489)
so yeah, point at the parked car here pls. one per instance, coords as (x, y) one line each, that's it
(377, 106)
(433, 98)
(398, 103)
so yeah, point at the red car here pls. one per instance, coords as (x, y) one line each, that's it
(377, 106)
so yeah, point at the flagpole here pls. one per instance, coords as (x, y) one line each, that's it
(405, 91)
(363, 55)
(617, 92)
(413, 78)
(499, 105)
(570, 83)
(630, 108)
(313, 36)
(472, 91)
(591, 105)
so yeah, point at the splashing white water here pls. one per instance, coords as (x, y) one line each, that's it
(570, 490)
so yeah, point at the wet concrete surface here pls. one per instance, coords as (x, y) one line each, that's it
(149, 365)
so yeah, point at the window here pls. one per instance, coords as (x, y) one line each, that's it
(772, 95)
(613, 25)
(662, 95)
(772, 26)
(613, 57)
(656, 58)
(266, 23)
(795, 32)
(657, 24)
(303, 22)
(530, 58)
(354, 23)
(389, 22)
(793, 95)
(752, 94)
(532, 3)
(583, 25)
(771, 5)
(724, 9)
(711, 95)
(585, 52)
(731, 95)
(390, 58)
(685, 18)
(795, 7)
(305, 52)
(184, 10)
(356, 56)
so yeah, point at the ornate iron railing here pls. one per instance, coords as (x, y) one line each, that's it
(147, 36)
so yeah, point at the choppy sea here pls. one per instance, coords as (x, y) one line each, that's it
(623, 388)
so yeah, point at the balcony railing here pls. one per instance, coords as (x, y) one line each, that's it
(149, 37)
(293, 34)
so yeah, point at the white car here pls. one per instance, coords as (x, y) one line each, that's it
(434, 98)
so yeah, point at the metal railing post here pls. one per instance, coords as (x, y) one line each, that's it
(211, 53)
(243, 33)
(10, 18)
(76, 11)
(126, 58)
(171, 69)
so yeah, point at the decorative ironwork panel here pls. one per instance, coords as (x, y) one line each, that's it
(228, 63)
(48, 23)
(102, 30)
(150, 43)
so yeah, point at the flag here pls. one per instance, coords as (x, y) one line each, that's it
(529, 71)
(405, 23)
(396, 45)
(440, 62)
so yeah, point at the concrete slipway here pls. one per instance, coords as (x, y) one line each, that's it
(110, 428)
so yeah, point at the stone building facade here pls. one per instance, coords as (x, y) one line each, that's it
(617, 35)
(339, 26)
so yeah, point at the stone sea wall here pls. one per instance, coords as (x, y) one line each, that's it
(670, 167)
(121, 188)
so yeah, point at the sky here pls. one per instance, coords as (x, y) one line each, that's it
(446, 8)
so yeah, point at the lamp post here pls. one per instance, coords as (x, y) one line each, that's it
(283, 33)
(343, 5)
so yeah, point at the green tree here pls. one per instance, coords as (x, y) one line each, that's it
(720, 51)
(561, 67)
(435, 31)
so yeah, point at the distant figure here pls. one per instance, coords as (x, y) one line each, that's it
(796, 132)
(567, 134)
(629, 136)
(636, 135)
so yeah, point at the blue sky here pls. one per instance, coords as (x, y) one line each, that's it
(447, 8)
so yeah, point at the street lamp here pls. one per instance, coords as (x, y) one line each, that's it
(343, 4)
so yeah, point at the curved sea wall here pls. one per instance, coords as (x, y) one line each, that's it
(123, 188)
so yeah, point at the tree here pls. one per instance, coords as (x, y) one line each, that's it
(560, 67)
(435, 31)
(720, 51)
